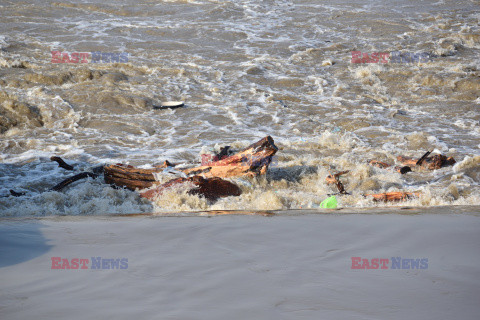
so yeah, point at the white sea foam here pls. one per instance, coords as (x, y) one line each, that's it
(246, 70)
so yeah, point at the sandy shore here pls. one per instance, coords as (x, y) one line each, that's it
(242, 267)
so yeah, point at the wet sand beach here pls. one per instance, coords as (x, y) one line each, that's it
(285, 266)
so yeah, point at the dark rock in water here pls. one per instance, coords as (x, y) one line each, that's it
(212, 188)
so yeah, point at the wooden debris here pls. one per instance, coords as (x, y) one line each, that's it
(71, 180)
(393, 196)
(251, 161)
(61, 163)
(207, 159)
(419, 162)
(431, 163)
(130, 177)
(206, 179)
(386, 196)
(438, 161)
(407, 161)
(165, 164)
(211, 188)
(379, 164)
(383, 165)
(335, 179)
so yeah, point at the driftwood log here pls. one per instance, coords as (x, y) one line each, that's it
(393, 196)
(251, 161)
(72, 179)
(61, 163)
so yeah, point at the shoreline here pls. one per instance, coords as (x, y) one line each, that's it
(380, 210)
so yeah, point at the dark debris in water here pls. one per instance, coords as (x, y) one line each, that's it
(17, 194)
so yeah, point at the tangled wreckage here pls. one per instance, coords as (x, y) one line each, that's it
(209, 179)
